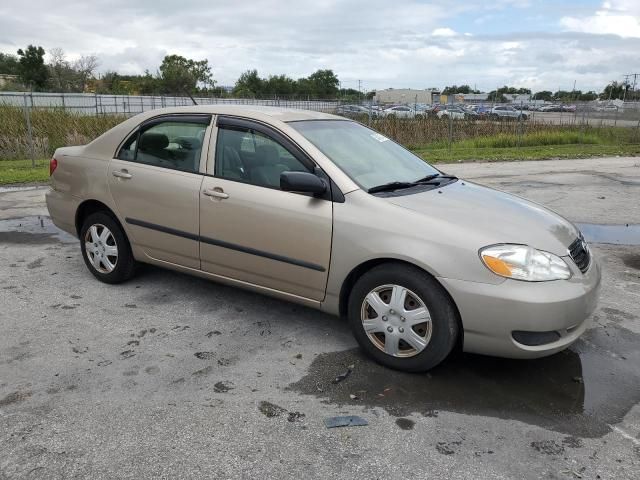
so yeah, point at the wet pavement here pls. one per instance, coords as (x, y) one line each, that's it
(170, 376)
(32, 230)
(611, 234)
(581, 391)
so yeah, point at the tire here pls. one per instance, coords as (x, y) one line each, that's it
(107, 268)
(440, 337)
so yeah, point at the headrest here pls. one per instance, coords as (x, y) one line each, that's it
(188, 143)
(265, 155)
(153, 141)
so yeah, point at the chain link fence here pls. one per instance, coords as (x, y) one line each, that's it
(33, 125)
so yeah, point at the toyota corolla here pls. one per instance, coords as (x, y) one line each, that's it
(323, 211)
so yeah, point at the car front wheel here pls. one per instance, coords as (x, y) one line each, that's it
(402, 317)
(105, 249)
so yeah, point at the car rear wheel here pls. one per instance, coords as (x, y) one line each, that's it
(105, 249)
(402, 317)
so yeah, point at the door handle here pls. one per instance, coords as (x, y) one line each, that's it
(216, 193)
(121, 174)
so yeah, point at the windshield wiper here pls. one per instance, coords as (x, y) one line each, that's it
(386, 187)
(427, 178)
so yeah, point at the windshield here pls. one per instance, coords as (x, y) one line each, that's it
(369, 158)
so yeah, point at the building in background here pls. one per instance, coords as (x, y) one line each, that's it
(6, 79)
(405, 95)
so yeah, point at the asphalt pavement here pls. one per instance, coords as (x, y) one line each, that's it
(170, 376)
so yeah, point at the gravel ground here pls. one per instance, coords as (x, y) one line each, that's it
(170, 376)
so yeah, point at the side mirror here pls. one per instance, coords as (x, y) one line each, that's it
(302, 182)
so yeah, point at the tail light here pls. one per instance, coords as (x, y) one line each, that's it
(53, 164)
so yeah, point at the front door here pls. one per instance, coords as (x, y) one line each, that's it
(250, 229)
(155, 184)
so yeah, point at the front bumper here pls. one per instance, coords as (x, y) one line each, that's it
(490, 313)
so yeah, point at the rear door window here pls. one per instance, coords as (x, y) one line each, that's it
(175, 144)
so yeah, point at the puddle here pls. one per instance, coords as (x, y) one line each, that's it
(580, 392)
(33, 230)
(613, 234)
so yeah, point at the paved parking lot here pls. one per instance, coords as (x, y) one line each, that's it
(170, 376)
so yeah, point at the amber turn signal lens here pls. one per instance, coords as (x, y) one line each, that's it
(497, 266)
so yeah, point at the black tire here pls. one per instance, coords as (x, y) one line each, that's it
(125, 265)
(444, 315)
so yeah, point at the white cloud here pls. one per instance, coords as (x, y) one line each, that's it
(616, 17)
(444, 32)
(382, 43)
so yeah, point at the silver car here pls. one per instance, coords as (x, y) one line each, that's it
(322, 211)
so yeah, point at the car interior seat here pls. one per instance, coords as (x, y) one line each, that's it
(266, 167)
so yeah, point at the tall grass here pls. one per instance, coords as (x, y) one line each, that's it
(55, 127)
(51, 128)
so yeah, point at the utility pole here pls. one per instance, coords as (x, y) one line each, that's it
(359, 91)
(633, 85)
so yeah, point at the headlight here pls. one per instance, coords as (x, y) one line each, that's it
(522, 262)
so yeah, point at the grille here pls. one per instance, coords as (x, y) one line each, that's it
(580, 254)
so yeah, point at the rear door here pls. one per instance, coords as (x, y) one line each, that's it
(155, 184)
(253, 231)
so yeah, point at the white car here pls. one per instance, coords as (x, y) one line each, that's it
(505, 111)
(454, 112)
(400, 111)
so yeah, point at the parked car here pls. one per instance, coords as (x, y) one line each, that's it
(351, 110)
(469, 112)
(399, 111)
(611, 108)
(456, 113)
(504, 111)
(481, 110)
(320, 210)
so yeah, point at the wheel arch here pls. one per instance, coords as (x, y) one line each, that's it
(357, 272)
(88, 207)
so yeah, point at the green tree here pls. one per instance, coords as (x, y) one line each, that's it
(279, 85)
(147, 84)
(453, 89)
(9, 64)
(248, 85)
(587, 96)
(614, 91)
(304, 87)
(179, 75)
(545, 95)
(496, 96)
(33, 72)
(324, 83)
(499, 94)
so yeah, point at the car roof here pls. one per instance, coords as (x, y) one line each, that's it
(252, 111)
(108, 141)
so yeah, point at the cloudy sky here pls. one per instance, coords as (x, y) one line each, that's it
(540, 44)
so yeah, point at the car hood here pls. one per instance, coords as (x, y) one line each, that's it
(485, 216)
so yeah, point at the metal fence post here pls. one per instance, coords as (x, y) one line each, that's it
(450, 132)
(29, 131)
(519, 134)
